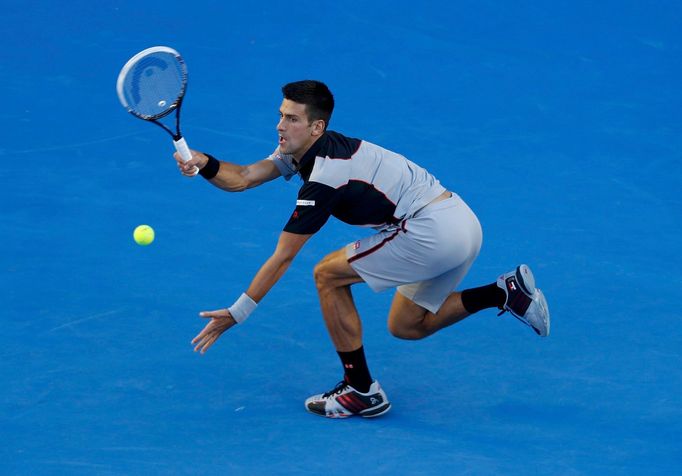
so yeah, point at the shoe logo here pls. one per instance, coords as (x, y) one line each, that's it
(373, 400)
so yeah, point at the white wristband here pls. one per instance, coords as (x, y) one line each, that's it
(242, 308)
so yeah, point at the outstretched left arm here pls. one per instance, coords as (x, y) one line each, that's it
(288, 246)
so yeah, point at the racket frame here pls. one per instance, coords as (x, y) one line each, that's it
(178, 140)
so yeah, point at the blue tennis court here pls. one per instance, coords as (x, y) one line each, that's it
(558, 122)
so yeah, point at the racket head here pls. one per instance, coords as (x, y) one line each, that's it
(152, 83)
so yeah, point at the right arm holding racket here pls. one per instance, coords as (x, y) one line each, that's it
(230, 177)
(151, 86)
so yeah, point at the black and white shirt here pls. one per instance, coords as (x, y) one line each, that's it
(355, 181)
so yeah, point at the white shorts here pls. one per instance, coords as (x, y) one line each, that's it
(425, 257)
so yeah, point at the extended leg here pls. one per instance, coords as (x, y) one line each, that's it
(357, 394)
(333, 278)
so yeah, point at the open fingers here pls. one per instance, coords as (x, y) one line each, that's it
(207, 341)
(203, 338)
(206, 331)
(221, 320)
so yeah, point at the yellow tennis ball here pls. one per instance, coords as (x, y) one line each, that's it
(143, 235)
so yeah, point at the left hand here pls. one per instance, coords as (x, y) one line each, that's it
(221, 320)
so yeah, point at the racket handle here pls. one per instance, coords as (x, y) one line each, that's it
(183, 149)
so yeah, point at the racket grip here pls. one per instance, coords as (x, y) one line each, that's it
(182, 147)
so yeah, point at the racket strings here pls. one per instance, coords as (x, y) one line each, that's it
(154, 85)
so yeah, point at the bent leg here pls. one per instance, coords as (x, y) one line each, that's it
(408, 320)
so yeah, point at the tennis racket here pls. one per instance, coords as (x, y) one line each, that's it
(151, 85)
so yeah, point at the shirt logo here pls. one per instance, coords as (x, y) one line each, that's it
(356, 245)
(305, 203)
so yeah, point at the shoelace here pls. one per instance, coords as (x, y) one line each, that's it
(340, 387)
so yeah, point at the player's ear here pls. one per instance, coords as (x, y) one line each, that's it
(318, 127)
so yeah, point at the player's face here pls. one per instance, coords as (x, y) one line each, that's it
(296, 132)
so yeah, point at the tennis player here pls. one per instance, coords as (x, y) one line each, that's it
(425, 242)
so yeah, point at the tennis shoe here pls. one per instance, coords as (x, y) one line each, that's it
(524, 301)
(344, 401)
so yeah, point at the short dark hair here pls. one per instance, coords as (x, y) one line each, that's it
(315, 95)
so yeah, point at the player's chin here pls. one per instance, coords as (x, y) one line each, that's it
(285, 147)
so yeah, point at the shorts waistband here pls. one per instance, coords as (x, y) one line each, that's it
(439, 202)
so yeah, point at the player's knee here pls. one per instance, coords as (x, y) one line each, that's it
(321, 275)
(328, 272)
(402, 330)
(396, 329)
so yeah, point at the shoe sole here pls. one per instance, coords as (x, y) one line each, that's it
(375, 412)
(542, 303)
(369, 413)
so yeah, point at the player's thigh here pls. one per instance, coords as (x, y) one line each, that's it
(334, 270)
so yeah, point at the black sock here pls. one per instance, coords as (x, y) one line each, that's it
(355, 368)
(484, 297)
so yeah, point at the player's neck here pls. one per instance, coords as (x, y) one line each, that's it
(299, 156)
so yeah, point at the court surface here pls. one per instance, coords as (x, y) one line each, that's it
(558, 122)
